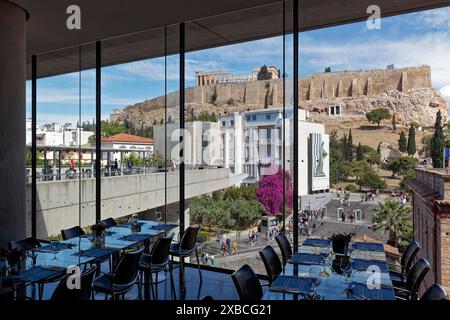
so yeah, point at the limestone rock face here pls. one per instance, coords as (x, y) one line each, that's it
(418, 105)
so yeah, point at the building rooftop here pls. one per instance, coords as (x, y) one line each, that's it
(124, 137)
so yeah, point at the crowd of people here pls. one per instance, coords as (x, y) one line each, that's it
(402, 197)
(350, 215)
(228, 247)
(370, 196)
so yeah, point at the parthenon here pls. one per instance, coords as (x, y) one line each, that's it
(205, 78)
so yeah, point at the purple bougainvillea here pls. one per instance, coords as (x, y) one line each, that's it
(270, 192)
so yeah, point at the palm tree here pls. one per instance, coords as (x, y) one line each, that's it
(393, 217)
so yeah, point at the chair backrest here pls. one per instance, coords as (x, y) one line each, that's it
(109, 222)
(72, 233)
(24, 244)
(271, 262)
(127, 269)
(408, 256)
(435, 292)
(416, 276)
(160, 251)
(189, 238)
(62, 291)
(285, 246)
(247, 283)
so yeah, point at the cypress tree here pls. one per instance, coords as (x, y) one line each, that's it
(359, 152)
(349, 146)
(411, 147)
(344, 146)
(437, 142)
(402, 142)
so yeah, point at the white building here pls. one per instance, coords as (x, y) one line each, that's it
(259, 136)
(54, 134)
(202, 143)
(232, 145)
(127, 143)
(251, 143)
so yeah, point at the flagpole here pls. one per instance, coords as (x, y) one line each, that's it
(443, 162)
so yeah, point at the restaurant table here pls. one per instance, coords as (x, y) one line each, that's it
(305, 278)
(78, 251)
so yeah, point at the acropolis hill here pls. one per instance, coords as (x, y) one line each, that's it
(407, 92)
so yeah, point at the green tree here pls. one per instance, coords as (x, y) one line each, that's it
(359, 153)
(338, 171)
(349, 147)
(267, 96)
(407, 176)
(401, 165)
(214, 96)
(411, 147)
(357, 169)
(393, 217)
(394, 122)
(371, 180)
(109, 129)
(204, 116)
(135, 159)
(402, 142)
(264, 73)
(246, 212)
(378, 115)
(327, 70)
(438, 142)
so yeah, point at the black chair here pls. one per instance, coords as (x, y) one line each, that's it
(413, 281)
(26, 244)
(63, 293)
(30, 244)
(185, 248)
(398, 277)
(247, 283)
(157, 261)
(72, 233)
(124, 277)
(435, 292)
(109, 222)
(285, 247)
(271, 262)
(77, 231)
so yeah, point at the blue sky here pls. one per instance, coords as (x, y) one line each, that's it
(407, 40)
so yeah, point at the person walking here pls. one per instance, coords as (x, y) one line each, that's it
(235, 247)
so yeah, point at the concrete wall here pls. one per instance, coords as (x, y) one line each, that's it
(59, 206)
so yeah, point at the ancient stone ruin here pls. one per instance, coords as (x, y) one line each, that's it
(407, 92)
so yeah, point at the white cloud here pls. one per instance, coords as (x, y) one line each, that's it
(155, 70)
(431, 49)
(445, 91)
(437, 18)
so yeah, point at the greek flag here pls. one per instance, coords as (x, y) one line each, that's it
(447, 152)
